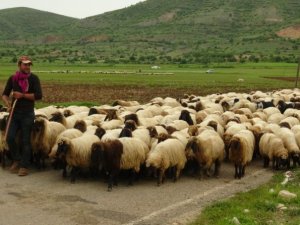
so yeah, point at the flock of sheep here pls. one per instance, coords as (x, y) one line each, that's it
(168, 135)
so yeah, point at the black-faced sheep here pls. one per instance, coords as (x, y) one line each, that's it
(43, 138)
(76, 152)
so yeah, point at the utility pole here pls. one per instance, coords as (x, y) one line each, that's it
(297, 77)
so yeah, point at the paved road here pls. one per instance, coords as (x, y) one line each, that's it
(45, 198)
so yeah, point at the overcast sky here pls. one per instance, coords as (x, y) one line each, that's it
(72, 8)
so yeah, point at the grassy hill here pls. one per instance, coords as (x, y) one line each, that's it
(190, 31)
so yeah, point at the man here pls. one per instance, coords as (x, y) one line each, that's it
(25, 87)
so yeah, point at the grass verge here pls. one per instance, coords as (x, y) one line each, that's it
(258, 206)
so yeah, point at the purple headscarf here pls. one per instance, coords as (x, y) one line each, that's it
(22, 80)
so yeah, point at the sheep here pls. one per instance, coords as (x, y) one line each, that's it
(296, 131)
(3, 144)
(272, 148)
(68, 122)
(76, 153)
(289, 122)
(108, 153)
(133, 154)
(125, 103)
(230, 131)
(69, 133)
(275, 118)
(145, 134)
(43, 138)
(208, 149)
(167, 154)
(185, 116)
(46, 111)
(290, 143)
(241, 150)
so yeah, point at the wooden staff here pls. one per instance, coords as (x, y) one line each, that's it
(9, 119)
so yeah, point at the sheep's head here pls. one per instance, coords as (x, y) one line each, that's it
(171, 129)
(130, 124)
(80, 125)
(284, 159)
(93, 111)
(57, 117)
(68, 112)
(152, 131)
(162, 137)
(185, 116)
(213, 124)
(100, 132)
(133, 117)
(193, 130)
(39, 126)
(111, 115)
(191, 148)
(125, 132)
(285, 124)
(97, 154)
(63, 146)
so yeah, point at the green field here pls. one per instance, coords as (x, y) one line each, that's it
(181, 76)
(172, 77)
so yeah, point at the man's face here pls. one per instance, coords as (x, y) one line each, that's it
(25, 67)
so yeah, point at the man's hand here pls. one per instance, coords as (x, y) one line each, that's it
(18, 95)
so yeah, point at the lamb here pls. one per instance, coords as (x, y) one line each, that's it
(208, 149)
(43, 138)
(145, 134)
(76, 153)
(167, 154)
(272, 148)
(241, 150)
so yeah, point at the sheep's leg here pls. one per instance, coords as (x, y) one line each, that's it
(288, 162)
(266, 162)
(294, 161)
(132, 176)
(242, 170)
(74, 173)
(236, 174)
(110, 181)
(160, 177)
(177, 174)
(217, 168)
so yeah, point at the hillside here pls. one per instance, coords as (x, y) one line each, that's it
(189, 31)
(25, 25)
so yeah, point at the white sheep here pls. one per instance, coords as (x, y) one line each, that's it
(167, 154)
(43, 138)
(290, 143)
(272, 148)
(208, 149)
(241, 150)
(76, 152)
